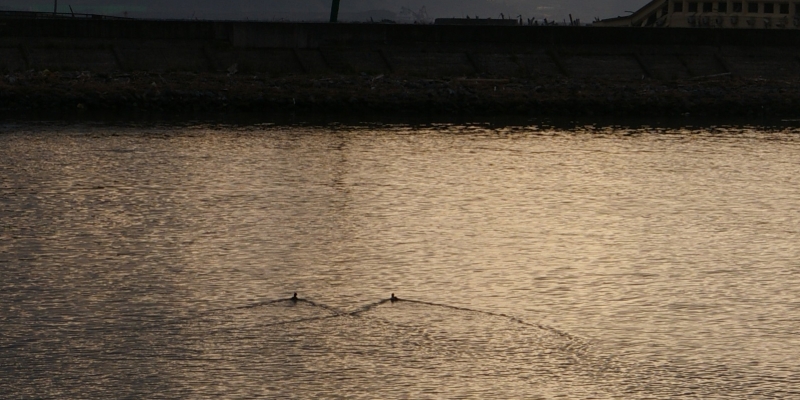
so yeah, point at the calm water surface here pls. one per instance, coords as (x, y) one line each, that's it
(158, 262)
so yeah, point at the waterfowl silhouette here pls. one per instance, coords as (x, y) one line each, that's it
(294, 298)
(393, 298)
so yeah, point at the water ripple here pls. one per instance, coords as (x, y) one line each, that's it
(531, 262)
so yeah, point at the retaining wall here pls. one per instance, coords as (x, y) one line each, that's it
(416, 50)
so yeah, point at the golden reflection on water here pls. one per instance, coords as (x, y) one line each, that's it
(594, 262)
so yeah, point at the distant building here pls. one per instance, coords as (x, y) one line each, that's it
(712, 14)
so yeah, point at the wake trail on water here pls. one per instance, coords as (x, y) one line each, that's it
(574, 343)
(511, 318)
(266, 303)
(447, 331)
(232, 319)
(371, 306)
(625, 372)
(441, 332)
(244, 307)
(218, 331)
(494, 314)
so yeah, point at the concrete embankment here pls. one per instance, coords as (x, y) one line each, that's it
(254, 66)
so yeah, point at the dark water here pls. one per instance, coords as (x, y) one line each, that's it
(158, 262)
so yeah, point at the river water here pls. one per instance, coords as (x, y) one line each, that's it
(158, 261)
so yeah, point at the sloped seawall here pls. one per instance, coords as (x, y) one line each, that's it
(201, 66)
(415, 50)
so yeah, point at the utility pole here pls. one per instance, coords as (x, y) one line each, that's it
(55, 7)
(334, 10)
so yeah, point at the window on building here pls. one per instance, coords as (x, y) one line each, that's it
(796, 8)
(692, 6)
(677, 6)
(665, 9)
(737, 6)
(784, 8)
(752, 7)
(708, 6)
(769, 8)
(722, 6)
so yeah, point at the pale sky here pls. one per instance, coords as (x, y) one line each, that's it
(355, 10)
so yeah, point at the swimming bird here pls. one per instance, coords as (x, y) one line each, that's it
(393, 298)
(294, 298)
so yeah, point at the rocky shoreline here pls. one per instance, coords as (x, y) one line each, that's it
(180, 92)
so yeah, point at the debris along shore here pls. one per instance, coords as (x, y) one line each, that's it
(721, 95)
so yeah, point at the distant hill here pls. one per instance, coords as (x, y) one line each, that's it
(351, 10)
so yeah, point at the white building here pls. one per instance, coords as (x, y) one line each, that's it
(712, 14)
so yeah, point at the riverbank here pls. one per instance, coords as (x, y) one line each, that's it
(183, 92)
